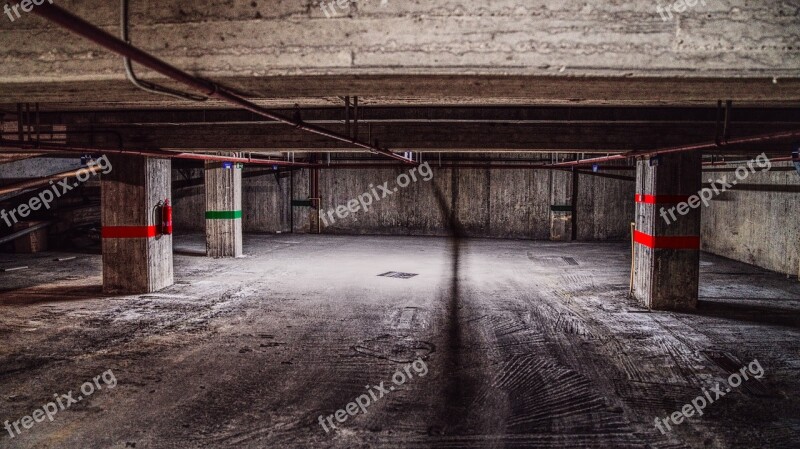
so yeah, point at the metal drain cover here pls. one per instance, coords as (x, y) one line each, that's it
(397, 274)
(553, 260)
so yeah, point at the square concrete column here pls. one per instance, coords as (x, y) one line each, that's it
(136, 259)
(562, 205)
(667, 242)
(223, 209)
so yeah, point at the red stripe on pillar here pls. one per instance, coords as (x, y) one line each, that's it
(129, 232)
(661, 199)
(666, 242)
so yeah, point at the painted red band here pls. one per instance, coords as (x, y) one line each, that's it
(661, 199)
(666, 242)
(129, 232)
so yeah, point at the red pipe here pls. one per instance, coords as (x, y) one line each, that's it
(151, 153)
(450, 164)
(83, 28)
(681, 149)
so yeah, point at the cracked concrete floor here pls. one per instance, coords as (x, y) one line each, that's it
(528, 344)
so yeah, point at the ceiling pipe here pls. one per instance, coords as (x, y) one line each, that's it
(24, 232)
(682, 149)
(144, 85)
(723, 162)
(25, 185)
(448, 164)
(83, 28)
(496, 166)
(150, 153)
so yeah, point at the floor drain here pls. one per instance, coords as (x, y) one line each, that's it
(553, 260)
(397, 274)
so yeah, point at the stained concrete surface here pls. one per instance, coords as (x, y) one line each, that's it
(529, 344)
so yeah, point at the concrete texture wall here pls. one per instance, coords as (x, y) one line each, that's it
(756, 226)
(266, 201)
(500, 203)
(189, 200)
(235, 38)
(605, 208)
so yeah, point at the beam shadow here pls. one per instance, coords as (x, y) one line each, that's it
(30, 296)
(757, 314)
(455, 390)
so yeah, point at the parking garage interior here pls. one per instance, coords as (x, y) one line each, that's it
(399, 225)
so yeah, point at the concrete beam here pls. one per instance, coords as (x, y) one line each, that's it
(559, 129)
(114, 92)
(554, 137)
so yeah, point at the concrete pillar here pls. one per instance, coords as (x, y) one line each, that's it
(223, 209)
(562, 207)
(136, 259)
(667, 260)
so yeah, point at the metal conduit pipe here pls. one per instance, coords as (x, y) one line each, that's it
(151, 153)
(24, 185)
(773, 159)
(83, 28)
(682, 149)
(23, 233)
(144, 85)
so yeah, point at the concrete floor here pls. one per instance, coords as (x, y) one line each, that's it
(524, 349)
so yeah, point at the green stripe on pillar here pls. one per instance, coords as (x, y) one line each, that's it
(223, 214)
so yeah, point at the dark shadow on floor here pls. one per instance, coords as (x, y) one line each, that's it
(758, 314)
(455, 393)
(189, 253)
(50, 294)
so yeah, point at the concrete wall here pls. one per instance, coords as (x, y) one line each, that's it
(189, 201)
(605, 208)
(756, 226)
(500, 203)
(266, 201)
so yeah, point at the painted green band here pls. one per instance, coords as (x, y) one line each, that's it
(223, 214)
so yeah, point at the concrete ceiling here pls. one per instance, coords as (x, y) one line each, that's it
(517, 52)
